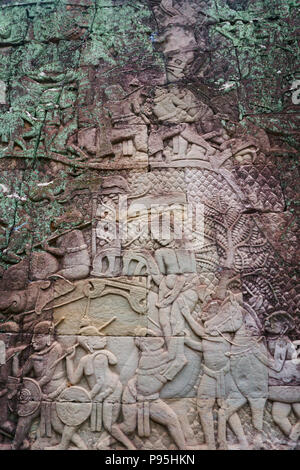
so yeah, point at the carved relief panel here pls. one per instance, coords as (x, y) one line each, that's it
(148, 227)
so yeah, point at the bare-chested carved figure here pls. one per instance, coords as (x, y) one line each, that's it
(284, 384)
(72, 250)
(177, 282)
(49, 378)
(8, 370)
(105, 388)
(141, 397)
(216, 383)
(170, 107)
(245, 365)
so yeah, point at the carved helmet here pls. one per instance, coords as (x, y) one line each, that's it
(44, 328)
(283, 318)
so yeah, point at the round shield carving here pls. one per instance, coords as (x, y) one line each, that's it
(74, 406)
(29, 397)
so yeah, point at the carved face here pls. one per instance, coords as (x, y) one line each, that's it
(273, 326)
(149, 344)
(175, 90)
(165, 241)
(40, 341)
(162, 241)
(95, 342)
(160, 92)
(169, 241)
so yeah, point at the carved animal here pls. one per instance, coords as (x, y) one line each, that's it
(63, 192)
(35, 296)
(72, 250)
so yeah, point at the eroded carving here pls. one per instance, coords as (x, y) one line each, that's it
(146, 195)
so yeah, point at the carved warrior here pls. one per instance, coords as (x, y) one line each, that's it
(141, 397)
(36, 395)
(8, 370)
(216, 382)
(236, 369)
(178, 42)
(284, 382)
(72, 250)
(122, 134)
(105, 393)
(222, 323)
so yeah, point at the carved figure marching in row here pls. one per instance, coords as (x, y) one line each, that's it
(141, 397)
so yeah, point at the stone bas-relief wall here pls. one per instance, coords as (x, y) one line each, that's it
(148, 225)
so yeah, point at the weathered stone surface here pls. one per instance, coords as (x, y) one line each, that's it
(149, 217)
(119, 305)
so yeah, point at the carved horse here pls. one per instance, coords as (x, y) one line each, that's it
(250, 366)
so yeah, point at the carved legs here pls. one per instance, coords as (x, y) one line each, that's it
(236, 426)
(280, 413)
(23, 428)
(118, 434)
(129, 411)
(141, 139)
(295, 432)
(69, 434)
(228, 412)
(186, 428)
(161, 413)
(257, 406)
(205, 406)
(110, 415)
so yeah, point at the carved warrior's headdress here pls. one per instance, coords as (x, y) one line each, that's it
(283, 318)
(91, 343)
(150, 341)
(44, 328)
(143, 331)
